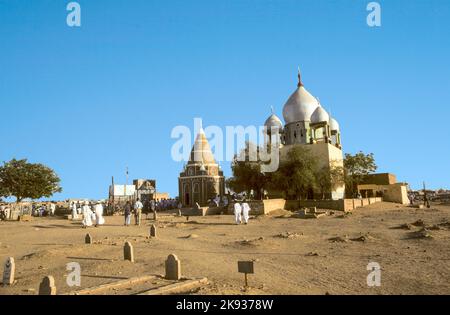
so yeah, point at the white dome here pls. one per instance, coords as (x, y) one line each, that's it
(334, 126)
(300, 105)
(320, 115)
(273, 121)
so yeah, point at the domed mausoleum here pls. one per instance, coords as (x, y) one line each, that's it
(308, 124)
(201, 179)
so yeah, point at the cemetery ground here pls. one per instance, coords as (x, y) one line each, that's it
(291, 255)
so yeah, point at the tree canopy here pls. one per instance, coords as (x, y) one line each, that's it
(357, 167)
(247, 174)
(22, 180)
(296, 175)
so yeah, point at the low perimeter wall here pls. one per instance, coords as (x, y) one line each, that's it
(340, 205)
(260, 207)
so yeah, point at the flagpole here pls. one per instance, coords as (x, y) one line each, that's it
(126, 184)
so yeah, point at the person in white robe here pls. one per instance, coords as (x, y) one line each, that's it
(87, 215)
(52, 209)
(245, 211)
(99, 214)
(237, 212)
(74, 211)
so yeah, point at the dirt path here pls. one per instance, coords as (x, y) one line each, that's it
(292, 255)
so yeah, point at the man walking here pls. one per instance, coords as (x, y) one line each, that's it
(138, 211)
(245, 211)
(98, 209)
(127, 213)
(237, 212)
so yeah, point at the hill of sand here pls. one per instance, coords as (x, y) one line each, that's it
(292, 255)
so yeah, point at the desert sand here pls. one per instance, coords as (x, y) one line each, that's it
(328, 255)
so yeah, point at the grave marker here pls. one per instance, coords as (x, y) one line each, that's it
(153, 231)
(88, 239)
(47, 286)
(9, 271)
(128, 253)
(173, 267)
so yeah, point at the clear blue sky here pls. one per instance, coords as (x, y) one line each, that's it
(89, 101)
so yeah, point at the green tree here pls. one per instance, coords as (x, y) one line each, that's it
(296, 174)
(22, 180)
(357, 167)
(247, 173)
(329, 178)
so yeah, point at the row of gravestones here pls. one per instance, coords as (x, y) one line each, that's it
(89, 240)
(47, 286)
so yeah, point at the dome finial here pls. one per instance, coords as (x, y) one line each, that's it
(271, 109)
(300, 83)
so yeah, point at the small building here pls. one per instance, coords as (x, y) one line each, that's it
(145, 189)
(201, 179)
(384, 185)
(121, 193)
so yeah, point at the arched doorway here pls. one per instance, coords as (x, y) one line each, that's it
(186, 194)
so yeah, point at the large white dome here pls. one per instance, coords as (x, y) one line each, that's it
(300, 105)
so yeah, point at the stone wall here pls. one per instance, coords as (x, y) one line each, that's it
(397, 193)
(340, 205)
(321, 204)
(259, 207)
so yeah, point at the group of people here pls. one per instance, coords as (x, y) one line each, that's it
(34, 209)
(241, 212)
(89, 216)
(136, 209)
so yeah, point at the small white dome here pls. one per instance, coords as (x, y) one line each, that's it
(273, 121)
(319, 116)
(334, 126)
(300, 105)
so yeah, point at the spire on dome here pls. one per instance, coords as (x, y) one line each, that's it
(300, 83)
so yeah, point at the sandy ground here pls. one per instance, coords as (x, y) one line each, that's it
(292, 255)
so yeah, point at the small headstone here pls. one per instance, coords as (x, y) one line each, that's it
(88, 239)
(128, 252)
(173, 267)
(47, 286)
(9, 271)
(155, 216)
(153, 231)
